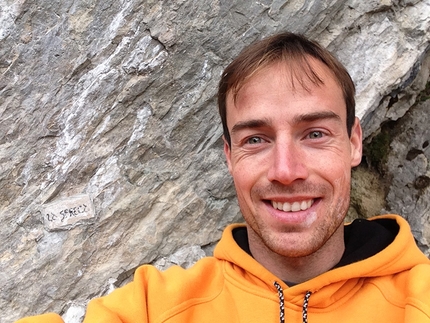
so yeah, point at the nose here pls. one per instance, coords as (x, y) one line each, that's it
(288, 163)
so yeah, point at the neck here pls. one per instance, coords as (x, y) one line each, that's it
(299, 269)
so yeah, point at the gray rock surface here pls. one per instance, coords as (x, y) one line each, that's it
(110, 142)
(409, 171)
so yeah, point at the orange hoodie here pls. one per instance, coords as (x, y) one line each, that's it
(391, 286)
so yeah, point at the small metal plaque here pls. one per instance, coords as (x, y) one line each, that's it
(67, 213)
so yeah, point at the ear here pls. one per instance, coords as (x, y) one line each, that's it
(227, 153)
(356, 141)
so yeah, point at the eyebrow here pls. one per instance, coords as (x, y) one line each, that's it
(303, 118)
(314, 116)
(251, 124)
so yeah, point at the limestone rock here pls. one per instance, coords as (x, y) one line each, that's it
(110, 142)
(368, 194)
(409, 170)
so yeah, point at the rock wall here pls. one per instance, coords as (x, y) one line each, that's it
(110, 142)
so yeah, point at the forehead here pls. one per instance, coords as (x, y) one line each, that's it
(288, 86)
(301, 73)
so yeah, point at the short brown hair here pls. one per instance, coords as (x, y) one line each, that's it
(293, 49)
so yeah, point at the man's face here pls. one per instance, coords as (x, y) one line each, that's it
(290, 159)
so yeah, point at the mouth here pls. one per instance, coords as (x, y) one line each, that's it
(293, 206)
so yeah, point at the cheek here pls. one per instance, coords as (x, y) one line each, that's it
(341, 187)
(338, 175)
(242, 180)
(344, 179)
(246, 180)
(246, 170)
(337, 171)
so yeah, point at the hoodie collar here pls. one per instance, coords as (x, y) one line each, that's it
(383, 245)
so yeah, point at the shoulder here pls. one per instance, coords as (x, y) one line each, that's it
(157, 294)
(417, 282)
(45, 318)
(206, 269)
(177, 285)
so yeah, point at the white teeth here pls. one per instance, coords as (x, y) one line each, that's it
(293, 207)
(304, 205)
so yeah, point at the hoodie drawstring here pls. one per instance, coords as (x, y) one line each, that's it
(305, 306)
(282, 304)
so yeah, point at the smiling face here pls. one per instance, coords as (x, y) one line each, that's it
(290, 158)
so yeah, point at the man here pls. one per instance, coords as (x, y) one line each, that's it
(290, 140)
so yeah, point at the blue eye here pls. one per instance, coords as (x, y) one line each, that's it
(254, 140)
(315, 134)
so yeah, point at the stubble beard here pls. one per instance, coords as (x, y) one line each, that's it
(297, 242)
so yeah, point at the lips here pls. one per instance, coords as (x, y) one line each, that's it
(293, 206)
